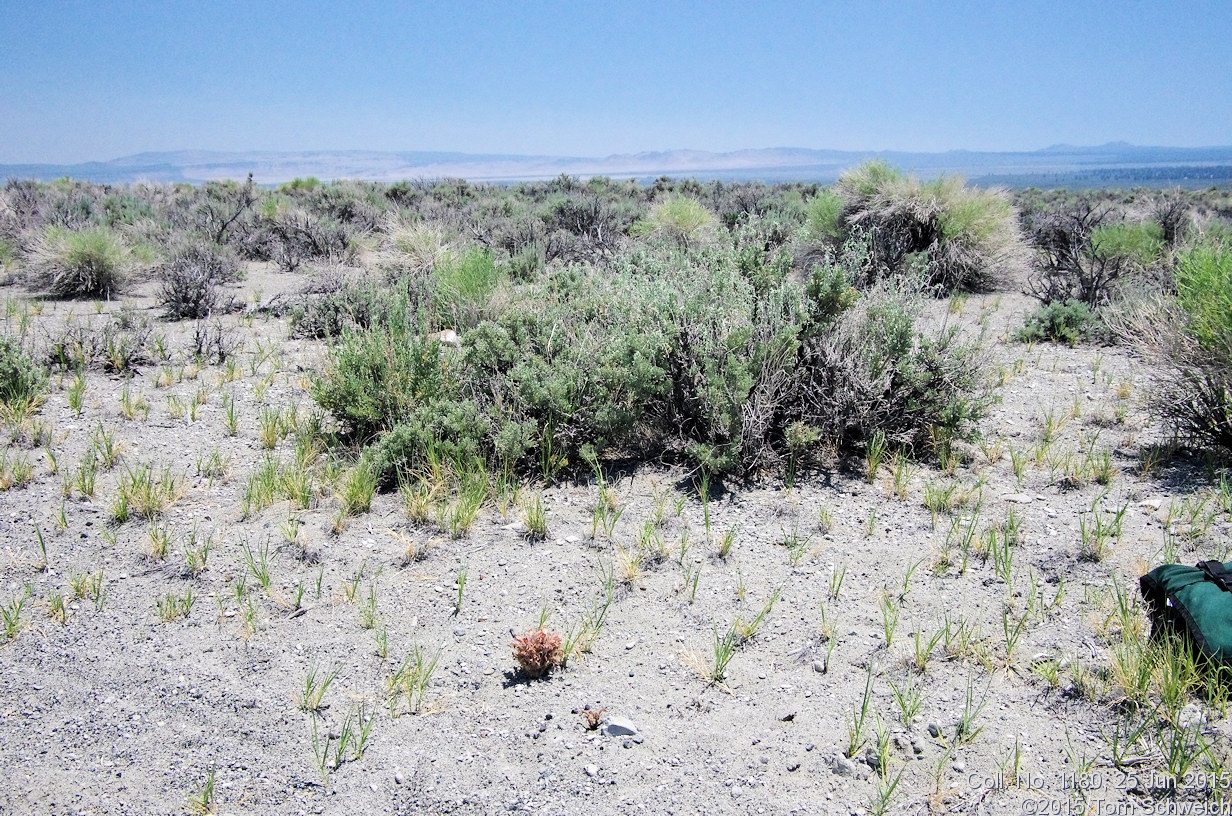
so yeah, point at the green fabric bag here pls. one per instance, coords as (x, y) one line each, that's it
(1196, 600)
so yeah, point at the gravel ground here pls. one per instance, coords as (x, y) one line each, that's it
(117, 711)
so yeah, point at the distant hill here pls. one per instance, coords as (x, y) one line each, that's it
(1052, 166)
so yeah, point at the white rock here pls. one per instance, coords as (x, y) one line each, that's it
(1017, 498)
(619, 727)
(592, 770)
(843, 766)
(448, 337)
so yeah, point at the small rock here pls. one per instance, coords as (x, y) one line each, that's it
(619, 727)
(399, 779)
(934, 730)
(1017, 498)
(627, 743)
(573, 539)
(793, 766)
(917, 745)
(592, 770)
(959, 766)
(819, 666)
(787, 716)
(1191, 716)
(843, 766)
(871, 758)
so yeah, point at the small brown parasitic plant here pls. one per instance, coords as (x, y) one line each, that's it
(537, 651)
(593, 717)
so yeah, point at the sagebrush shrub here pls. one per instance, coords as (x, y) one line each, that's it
(707, 353)
(189, 281)
(378, 376)
(1083, 256)
(294, 237)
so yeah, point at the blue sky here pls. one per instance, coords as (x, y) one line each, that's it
(96, 80)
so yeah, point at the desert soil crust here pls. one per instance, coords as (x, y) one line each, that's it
(164, 685)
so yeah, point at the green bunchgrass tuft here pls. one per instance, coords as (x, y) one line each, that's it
(10, 614)
(874, 453)
(159, 538)
(257, 562)
(859, 718)
(170, 607)
(535, 518)
(357, 488)
(202, 801)
(311, 699)
(724, 649)
(967, 728)
(411, 680)
(144, 494)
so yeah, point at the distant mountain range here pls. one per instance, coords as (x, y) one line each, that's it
(1112, 164)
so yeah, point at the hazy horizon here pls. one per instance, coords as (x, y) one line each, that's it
(88, 82)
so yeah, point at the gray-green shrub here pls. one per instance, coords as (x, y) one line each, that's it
(189, 281)
(707, 353)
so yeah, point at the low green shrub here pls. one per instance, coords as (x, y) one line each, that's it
(1190, 336)
(377, 376)
(825, 214)
(20, 378)
(678, 218)
(1066, 322)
